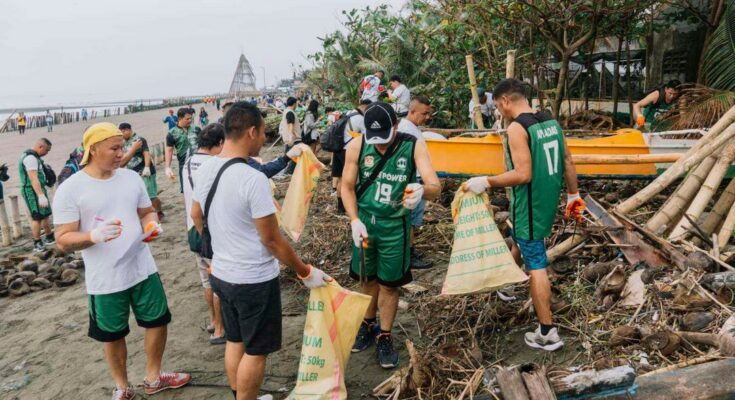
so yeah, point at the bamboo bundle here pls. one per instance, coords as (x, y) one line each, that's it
(721, 133)
(727, 229)
(624, 158)
(674, 207)
(719, 211)
(707, 191)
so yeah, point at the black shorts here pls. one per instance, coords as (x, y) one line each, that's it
(251, 314)
(338, 163)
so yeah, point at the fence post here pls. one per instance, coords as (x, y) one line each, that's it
(15, 212)
(4, 224)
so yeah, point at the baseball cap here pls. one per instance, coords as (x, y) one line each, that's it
(379, 121)
(97, 133)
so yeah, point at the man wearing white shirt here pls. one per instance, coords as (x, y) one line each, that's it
(400, 95)
(104, 211)
(487, 106)
(247, 245)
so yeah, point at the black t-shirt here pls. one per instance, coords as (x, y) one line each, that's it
(291, 117)
(137, 163)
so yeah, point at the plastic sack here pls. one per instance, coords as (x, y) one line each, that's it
(480, 260)
(301, 189)
(333, 318)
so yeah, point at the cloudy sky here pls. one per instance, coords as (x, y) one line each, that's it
(64, 52)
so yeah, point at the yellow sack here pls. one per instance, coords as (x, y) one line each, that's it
(480, 259)
(334, 315)
(301, 189)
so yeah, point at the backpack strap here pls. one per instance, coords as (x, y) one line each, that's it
(213, 189)
(364, 185)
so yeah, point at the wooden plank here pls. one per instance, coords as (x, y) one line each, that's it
(511, 384)
(618, 233)
(537, 385)
(600, 159)
(696, 382)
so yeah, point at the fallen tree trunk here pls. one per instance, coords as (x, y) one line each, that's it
(706, 192)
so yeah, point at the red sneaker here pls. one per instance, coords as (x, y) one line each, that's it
(123, 394)
(167, 380)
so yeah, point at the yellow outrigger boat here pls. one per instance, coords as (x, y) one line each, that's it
(625, 154)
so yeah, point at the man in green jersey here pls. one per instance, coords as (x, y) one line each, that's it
(379, 191)
(138, 158)
(537, 159)
(183, 139)
(657, 103)
(33, 185)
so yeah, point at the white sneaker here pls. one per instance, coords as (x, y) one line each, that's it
(550, 342)
(266, 397)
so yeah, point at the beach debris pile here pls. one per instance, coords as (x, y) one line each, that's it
(24, 274)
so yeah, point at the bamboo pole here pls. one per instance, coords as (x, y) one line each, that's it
(625, 158)
(727, 229)
(473, 88)
(719, 211)
(4, 225)
(510, 73)
(721, 133)
(707, 191)
(674, 207)
(15, 212)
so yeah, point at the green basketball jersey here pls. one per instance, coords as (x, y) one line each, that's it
(384, 197)
(654, 110)
(25, 181)
(534, 205)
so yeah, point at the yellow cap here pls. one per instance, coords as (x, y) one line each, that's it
(97, 133)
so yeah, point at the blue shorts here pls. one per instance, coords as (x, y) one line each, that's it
(533, 253)
(417, 214)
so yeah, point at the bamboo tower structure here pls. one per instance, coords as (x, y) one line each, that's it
(243, 83)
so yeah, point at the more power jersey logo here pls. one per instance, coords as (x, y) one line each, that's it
(401, 163)
(369, 161)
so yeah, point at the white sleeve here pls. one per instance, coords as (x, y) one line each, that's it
(143, 200)
(64, 208)
(31, 163)
(359, 124)
(257, 195)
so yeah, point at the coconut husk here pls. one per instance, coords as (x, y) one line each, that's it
(663, 341)
(18, 288)
(594, 272)
(625, 335)
(696, 321)
(28, 265)
(68, 278)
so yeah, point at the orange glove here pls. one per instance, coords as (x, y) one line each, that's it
(575, 205)
(156, 228)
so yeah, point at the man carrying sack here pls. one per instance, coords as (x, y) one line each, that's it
(379, 191)
(534, 174)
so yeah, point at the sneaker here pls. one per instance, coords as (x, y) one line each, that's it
(549, 342)
(210, 328)
(217, 340)
(48, 241)
(127, 393)
(365, 336)
(418, 263)
(166, 380)
(160, 216)
(387, 355)
(38, 247)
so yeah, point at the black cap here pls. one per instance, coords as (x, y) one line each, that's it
(379, 121)
(124, 125)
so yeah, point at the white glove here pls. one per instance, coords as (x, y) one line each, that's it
(146, 172)
(106, 231)
(359, 231)
(170, 173)
(42, 201)
(295, 151)
(412, 195)
(316, 278)
(476, 185)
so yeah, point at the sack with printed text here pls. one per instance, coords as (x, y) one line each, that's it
(480, 259)
(301, 189)
(333, 318)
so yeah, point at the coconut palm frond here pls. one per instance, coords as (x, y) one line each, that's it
(698, 107)
(719, 60)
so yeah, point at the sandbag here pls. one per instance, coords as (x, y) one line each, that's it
(301, 189)
(333, 318)
(480, 260)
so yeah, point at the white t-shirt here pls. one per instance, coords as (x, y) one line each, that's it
(485, 109)
(409, 127)
(196, 160)
(92, 201)
(30, 162)
(403, 98)
(243, 195)
(356, 124)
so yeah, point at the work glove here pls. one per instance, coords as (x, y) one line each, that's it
(146, 172)
(154, 227)
(106, 231)
(316, 278)
(476, 185)
(42, 201)
(359, 232)
(412, 195)
(575, 206)
(170, 174)
(640, 121)
(294, 152)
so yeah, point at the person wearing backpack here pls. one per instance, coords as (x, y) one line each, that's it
(33, 182)
(350, 126)
(656, 103)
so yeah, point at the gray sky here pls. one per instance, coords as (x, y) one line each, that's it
(63, 52)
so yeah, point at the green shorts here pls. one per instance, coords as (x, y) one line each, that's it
(151, 186)
(388, 255)
(108, 313)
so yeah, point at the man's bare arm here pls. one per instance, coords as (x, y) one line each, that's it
(349, 178)
(432, 186)
(570, 171)
(68, 237)
(197, 215)
(651, 98)
(521, 155)
(168, 156)
(147, 158)
(35, 183)
(147, 215)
